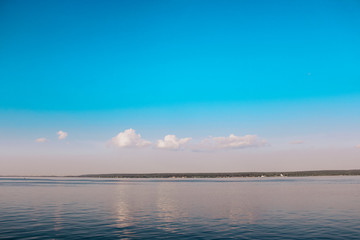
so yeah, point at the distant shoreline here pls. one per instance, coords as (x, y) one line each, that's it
(313, 173)
(354, 172)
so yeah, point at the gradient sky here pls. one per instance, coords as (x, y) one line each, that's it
(282, 76)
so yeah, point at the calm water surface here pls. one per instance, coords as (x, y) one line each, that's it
(236, 208)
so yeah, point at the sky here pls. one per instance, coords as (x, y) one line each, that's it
(178, 86)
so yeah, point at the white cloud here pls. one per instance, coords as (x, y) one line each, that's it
(297, 142)
(129, 139)
(62, 135)
(231, 142)
(172, 142)
(41, 140)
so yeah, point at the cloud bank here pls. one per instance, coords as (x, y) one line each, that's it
(41, 140)
(129, 139)
(62, 135)
(358, 146)
(172, 142)
(297, 142)
(231, 142)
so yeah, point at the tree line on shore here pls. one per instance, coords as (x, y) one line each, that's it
(229, 174)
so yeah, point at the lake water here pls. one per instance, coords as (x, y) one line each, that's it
(234, 208)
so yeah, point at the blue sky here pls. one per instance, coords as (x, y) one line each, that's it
(281, 70)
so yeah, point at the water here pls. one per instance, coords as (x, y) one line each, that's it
(240, 208)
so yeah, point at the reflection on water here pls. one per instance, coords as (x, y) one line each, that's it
(123, 214)
(169, 208)
(287, 208)
(58, 219)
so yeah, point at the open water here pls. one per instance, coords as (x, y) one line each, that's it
(235, 208)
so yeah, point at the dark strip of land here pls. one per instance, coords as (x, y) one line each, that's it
(231, 174)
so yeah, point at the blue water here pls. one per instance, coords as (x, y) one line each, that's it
(235, 208)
